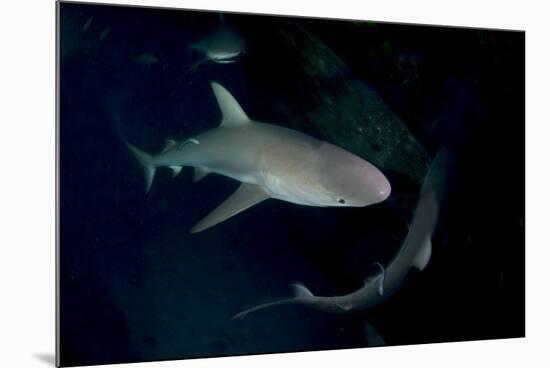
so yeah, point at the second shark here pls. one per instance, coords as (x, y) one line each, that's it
(415, 253)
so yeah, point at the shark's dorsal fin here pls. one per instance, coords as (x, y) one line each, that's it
(232, 112)
(300, 289)
(246, 196)
(423, 257)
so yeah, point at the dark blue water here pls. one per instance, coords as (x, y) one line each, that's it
(135, 286)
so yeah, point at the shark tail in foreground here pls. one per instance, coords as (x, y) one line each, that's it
(299, 290)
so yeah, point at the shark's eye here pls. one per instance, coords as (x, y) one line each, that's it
(341, 200)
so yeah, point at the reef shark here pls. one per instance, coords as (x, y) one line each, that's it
(223, 46)
(415, 252)
(270, 161)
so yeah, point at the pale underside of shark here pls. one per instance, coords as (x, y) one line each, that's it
(271, 162)
(415, 252)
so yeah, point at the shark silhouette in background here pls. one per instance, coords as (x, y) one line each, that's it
(414, 253)
(223, 45)
(271, 162)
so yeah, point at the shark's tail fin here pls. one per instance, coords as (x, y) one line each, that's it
(146, 160)
(299, 290)
(261, 307)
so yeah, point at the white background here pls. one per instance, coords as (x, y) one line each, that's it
(27, 202)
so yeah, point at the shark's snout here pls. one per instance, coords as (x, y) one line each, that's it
(354, 181)
(375, 187)
(383, 188)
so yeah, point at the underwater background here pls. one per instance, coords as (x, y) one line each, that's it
(135, 286)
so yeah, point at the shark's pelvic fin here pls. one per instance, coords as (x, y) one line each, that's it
(175, 170)
(246, 196)
(381, 279)
(423, 257)
(146, 160)
(199, 174)
(378, 277)
(232, 112)
(300, 290)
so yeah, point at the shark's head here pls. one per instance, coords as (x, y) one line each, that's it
(349, 181)
(226, 46)
(223, 46)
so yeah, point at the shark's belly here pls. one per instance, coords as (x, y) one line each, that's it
(289, 168)
(287, 190)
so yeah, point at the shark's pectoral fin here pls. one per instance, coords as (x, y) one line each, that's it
(246, 196)
(423, 257)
